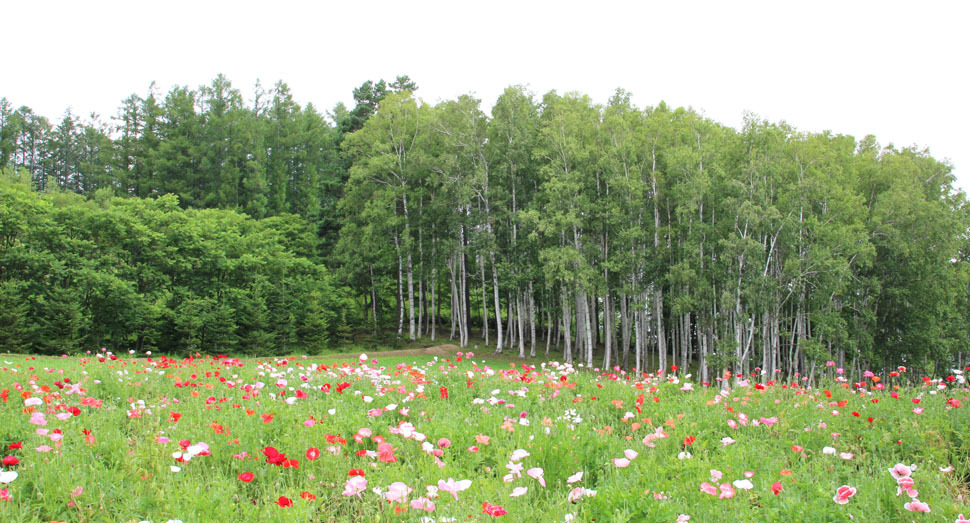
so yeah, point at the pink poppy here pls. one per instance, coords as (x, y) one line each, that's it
(917, 506)
(398, 492)
(843, 494)
(454, 487)
(578, 493)
(901, 471)
(519, 454)
(424, 504)
(727, 491)
(385, 453)
(621, 462)
(707, 488)
(354, 486)
(537, 474)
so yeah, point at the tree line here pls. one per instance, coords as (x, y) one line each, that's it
(618, 235)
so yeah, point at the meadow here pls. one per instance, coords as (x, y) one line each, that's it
(469, 437)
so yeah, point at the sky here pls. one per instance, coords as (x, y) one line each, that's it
(898, 70)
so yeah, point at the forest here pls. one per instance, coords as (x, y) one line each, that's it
(603, 234)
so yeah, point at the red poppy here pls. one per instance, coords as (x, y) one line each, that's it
(273, 456)
(10, 461)
(493, 510)
(356, 472)
(284, 501)
(312, 453)
(796, 448)
(776, 488)
(17, 445)
(247, 477)
(307, 496)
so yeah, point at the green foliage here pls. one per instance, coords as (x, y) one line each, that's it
(736, 248)
(145, 274)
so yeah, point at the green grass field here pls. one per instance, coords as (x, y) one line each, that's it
(466, 437)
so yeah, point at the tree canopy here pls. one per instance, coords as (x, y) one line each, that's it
(643, 237)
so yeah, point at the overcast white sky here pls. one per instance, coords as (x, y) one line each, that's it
(893, 69)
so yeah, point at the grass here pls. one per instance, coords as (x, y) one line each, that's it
(113, 460)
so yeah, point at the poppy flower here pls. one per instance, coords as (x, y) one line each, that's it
(843, 494)
(776, 488)
(312, 453)
(385, 453)
(355, 486)
(901, 471)
(284, 501)
(917, 506)
(246, 477)
(424, 504)
(398, 492)
(493, 510)
(539, 475)
(454, 487)
(307, 496)
(10, 461)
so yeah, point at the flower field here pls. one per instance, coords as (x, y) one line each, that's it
(468, 438)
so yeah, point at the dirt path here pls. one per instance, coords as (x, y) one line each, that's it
(438, 350)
